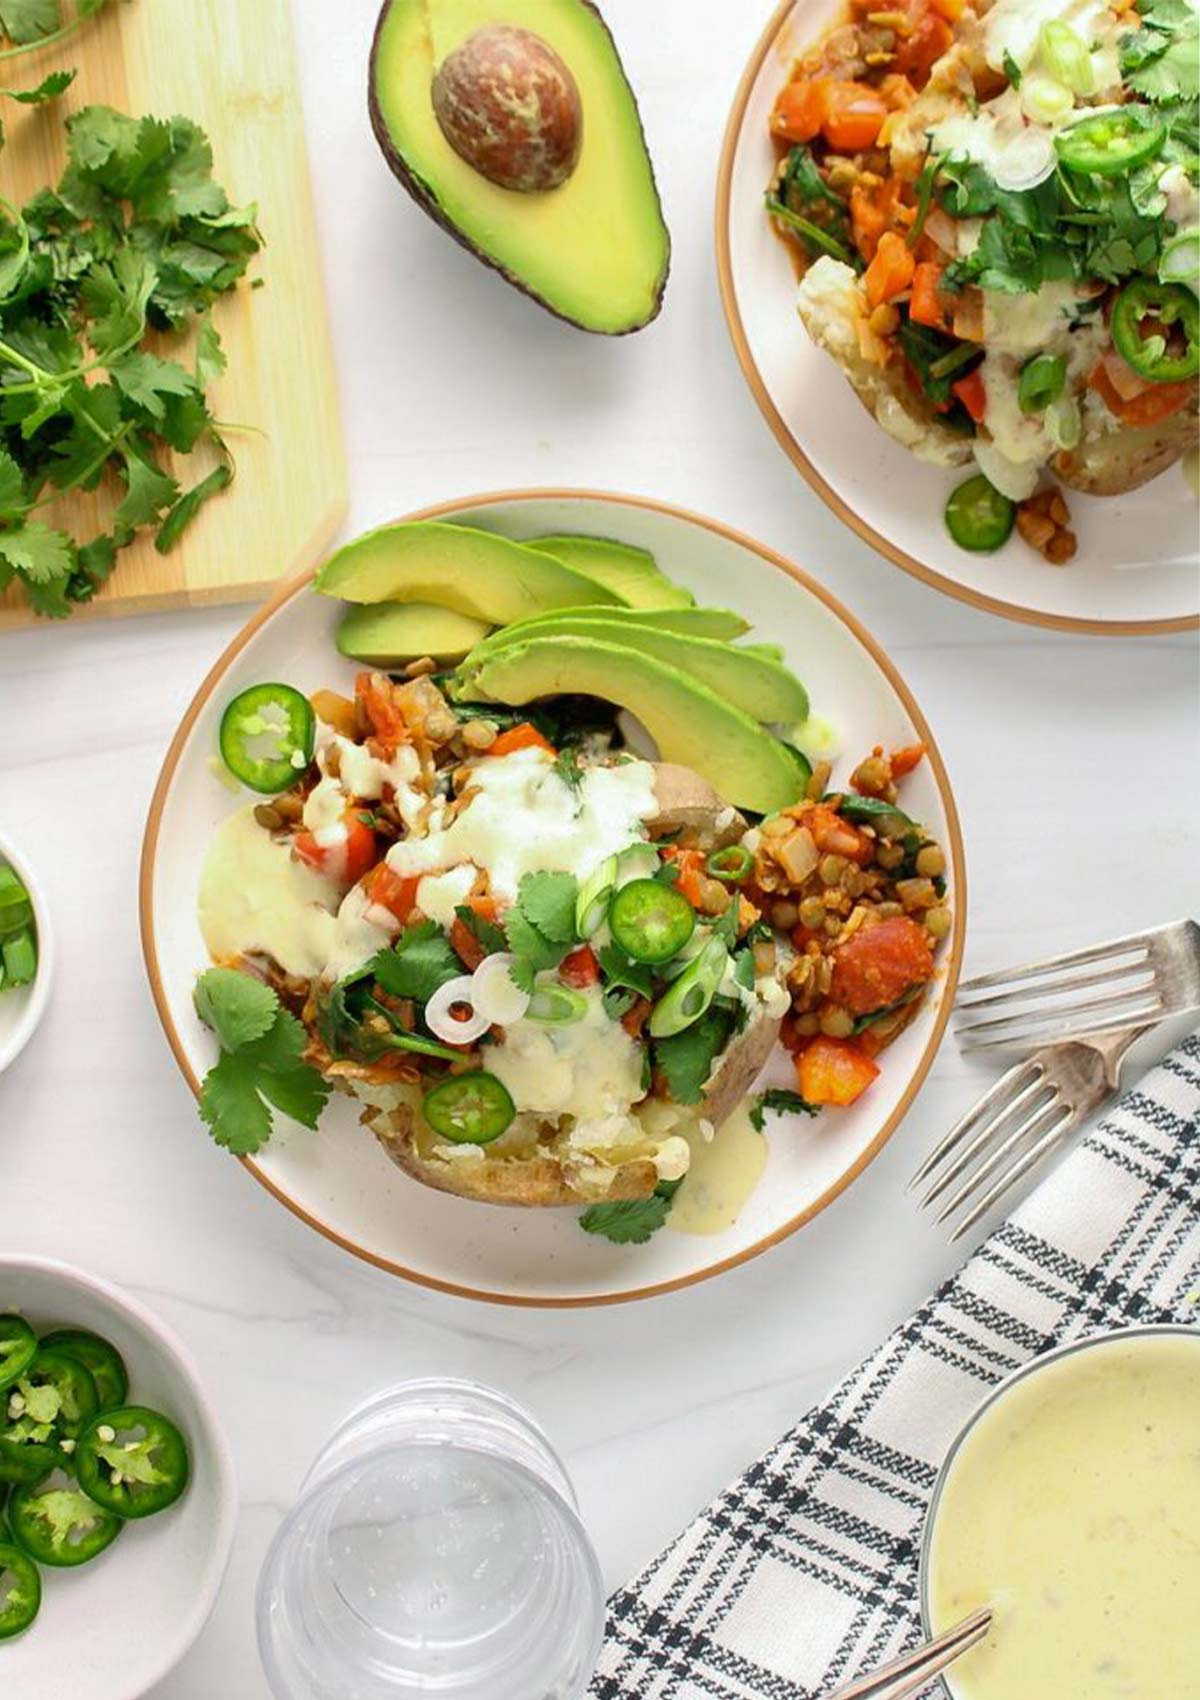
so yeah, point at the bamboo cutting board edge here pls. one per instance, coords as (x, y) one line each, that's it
(290, 495)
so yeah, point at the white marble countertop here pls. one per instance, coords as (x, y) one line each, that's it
(1072, 758)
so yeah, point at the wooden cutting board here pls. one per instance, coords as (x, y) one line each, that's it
(230, 65)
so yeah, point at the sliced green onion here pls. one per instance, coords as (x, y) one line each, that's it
(1041, 382)
(595, 895)
(1066, 55)
(1063, 422)
(1045, 99)
(690, 995)
(732, 864)
(1179, 261)
(556, 1005)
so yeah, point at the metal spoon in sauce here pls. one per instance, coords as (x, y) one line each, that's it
(914, 1670)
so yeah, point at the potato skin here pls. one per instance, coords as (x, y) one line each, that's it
(1111, 463)
(537, 1182)
(738, 1069)
(687, 804)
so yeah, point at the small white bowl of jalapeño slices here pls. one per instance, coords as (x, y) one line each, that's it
(26, 953)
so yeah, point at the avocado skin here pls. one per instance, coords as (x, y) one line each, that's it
(427, 201)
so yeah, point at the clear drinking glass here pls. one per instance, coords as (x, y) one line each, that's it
(435, 1549)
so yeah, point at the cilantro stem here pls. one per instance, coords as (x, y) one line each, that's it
(55, 36)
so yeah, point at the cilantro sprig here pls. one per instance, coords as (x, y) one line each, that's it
(540, 926)
(779, 1101)
(261, 1067)
(136, 240)
(34, 24)
(633, 1221)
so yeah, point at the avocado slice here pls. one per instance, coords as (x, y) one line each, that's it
(689, 722)
(594, 250)
(632, 574)
(692, 622)
(754, 683)
(386, 633)
(477, 573)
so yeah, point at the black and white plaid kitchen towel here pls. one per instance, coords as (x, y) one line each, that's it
(804, 1573)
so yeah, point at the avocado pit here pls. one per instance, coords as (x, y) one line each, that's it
(508, 105)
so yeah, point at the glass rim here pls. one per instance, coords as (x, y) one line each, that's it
(1023, 1372)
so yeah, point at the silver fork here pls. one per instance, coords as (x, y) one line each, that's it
(1129, 984)
(1143, 977)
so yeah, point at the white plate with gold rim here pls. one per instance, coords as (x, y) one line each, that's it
(1136, 569)
(338, 1179)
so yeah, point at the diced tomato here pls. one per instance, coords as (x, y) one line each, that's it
(926, 307)
(971, 393)
(917, 52)
(347, 858)
(854, 115)
(905, 760)
(379, 703)
(833, 1071)
(891, 271)
(580, 968)
(878, 964)
(800, 109)
(393, 891)
(834, 836)
(634, 1018)
(1149, 407)
(463, 940)
(524, 736)
(691, 869)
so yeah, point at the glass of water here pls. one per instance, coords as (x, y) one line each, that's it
(435, 1549)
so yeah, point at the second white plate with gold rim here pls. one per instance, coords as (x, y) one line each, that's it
(1135, 572)
(338, 1179)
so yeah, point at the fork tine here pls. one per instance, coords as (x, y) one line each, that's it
(1115, 949)
(1062, 987)
(1021, 1035)
(964, 1125)
(989, 1130)
(1065, 1012)
(1031, 1126)
(1020, 1168)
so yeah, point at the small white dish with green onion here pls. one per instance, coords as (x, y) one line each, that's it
(26, 953)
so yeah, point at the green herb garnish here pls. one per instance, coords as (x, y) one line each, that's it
(634, 1221)
(261, 1065)
(780, 1101)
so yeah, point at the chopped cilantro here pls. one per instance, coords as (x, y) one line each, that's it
(261, 1065)
(686, 1059)
(540, 926)
(1161, 60)
(631, 1222)
(1011, 69)
(421, 960)
(780, 1101)
(568, 767)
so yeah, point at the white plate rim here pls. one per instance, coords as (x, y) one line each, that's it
(448, 510)
(760, 390)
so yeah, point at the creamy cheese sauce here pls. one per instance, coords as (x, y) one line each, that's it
(257, 899)
(1014, 27)
(726, 1166)
(523, 818)
(590, 1070)
(1073, 1509)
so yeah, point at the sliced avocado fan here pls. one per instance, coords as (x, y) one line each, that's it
(694, 622)
(630, 573)
(385, 634)
(477, 573)
(757, 685)
(690, 723)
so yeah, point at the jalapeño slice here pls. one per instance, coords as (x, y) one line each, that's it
(267, 736)
(18, 1344)
(55, 1523)
(469, 1109)
(978, 517)
(20, 1591)
(650, 921)
(59, 1390)
(1156, 329)
(103, 1361)
(1109, 142)
(132, 1461)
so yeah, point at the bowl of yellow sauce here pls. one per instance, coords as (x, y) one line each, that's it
(1070, 1504)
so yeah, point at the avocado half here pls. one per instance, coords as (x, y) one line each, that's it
(594, 251)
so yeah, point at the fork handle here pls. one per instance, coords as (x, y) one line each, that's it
(1111, 1049)
(915, 1670)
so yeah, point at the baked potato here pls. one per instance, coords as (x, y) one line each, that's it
(1110, 461)
(688, 806)
(833, 308)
